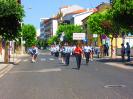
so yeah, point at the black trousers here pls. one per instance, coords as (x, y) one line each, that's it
(78, 60)
(67, 58)
(87, 56)
(128, 56)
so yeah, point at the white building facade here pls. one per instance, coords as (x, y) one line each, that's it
(50, 26)
(77, 17)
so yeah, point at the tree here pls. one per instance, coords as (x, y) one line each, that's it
(122, 12)
(68, 30)
(11, 14)
(29, 35)
(52, 40)
(95, 23)
(101, 23)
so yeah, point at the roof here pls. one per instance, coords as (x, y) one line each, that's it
(77, 11)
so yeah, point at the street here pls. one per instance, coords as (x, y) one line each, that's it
(49, 79)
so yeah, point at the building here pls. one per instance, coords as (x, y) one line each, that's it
(76, 17)
(42, 30)
(50, 27)
(67, 10)
(69, 18)
(90, 37)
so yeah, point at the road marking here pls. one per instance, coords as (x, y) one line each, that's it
(43, 59)
(51, 59)
(40, 71)
(6, 70)
(25, 60)
(119, 65)
(115, 86)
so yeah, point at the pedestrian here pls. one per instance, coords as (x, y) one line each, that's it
(107, 49)
(34, 53)
(57, 51)
(78, 52)
(123, 52)
(128, 51)
(87, 50)
(67, 54)
(91, 53)
(62, 51)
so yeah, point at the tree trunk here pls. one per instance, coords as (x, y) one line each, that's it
(116, 46)
(112, 50)
(6, 56)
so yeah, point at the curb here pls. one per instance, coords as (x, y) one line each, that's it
(17, 62)
(123, 66)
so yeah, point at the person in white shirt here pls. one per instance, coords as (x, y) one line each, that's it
(87, 50)
(34, 53)
(67, 54)
(91, 53)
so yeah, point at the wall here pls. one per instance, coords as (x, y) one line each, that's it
(55, 27)
(78, 18)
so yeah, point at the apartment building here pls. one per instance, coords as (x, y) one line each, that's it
(42, 30)
(50, 27)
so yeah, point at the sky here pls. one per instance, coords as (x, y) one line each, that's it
(36, 9)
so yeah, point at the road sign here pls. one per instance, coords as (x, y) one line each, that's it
(78, 36)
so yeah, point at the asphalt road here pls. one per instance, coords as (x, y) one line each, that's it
(49, 79)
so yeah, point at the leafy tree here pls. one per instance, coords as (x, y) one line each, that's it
(122, 12)
(29, 35)
(11, 14)
(68, 30)
(52, 40)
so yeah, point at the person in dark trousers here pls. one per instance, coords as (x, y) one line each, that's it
(128, 51)
(67, 54)
(123, 52)
(87, 50)
(78, 52)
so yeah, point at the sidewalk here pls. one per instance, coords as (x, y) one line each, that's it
(4, 68)
(116, 61)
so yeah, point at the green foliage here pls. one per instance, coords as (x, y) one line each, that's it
(52, 40)
(42, 43)
(122, 12)
(11, 14)
(95, 22)
(68, 30)
(29, 35)
(101, 23)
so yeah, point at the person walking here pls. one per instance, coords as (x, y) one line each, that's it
(123, 52)
(128, 51)
(87, 50)
(78, 52)
(62, 51)
(34, 53)
(67, 54)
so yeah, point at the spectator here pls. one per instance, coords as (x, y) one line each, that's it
(128, 51)
(123, 52)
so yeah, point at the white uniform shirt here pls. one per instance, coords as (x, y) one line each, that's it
(67, 49)
(87, 48)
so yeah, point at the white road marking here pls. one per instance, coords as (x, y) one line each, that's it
(43, 59)
(40, 71)
(6, 70)
(25, 60)
(114, 86)
(51, 59)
